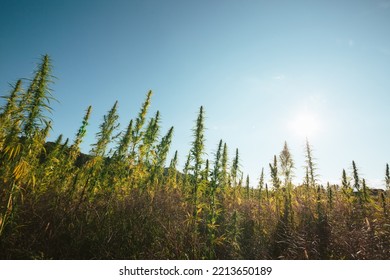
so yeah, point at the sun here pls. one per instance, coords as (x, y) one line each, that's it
(305, 124)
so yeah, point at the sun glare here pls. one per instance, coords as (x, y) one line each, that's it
(305, 124)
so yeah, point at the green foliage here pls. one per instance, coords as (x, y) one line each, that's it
(311, 166)
(106, 132)
(10, 115)
(197, 150)
(137, 132)
(261, 184)
(171, 179)
(37, 98)
(216, 175)
(346, 186)
(224, 168)
(274, 174)
(149, 138)
(160, 158)
(196, 156)
(124, 143)
(247, 187)
(286, 164)
(121, 201)
(235, 170)
(356, 184)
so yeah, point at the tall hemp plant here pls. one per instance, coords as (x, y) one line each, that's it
(26, 127)
(214, 186)
(162, 149)
(9, 114)
(197, 153)
(96, 167)
(286, 169)
(138, 173)
(171, 180)
(276, 185)
(261, 185)
(196, 157)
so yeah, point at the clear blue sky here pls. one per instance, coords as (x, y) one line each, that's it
(265, 71)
